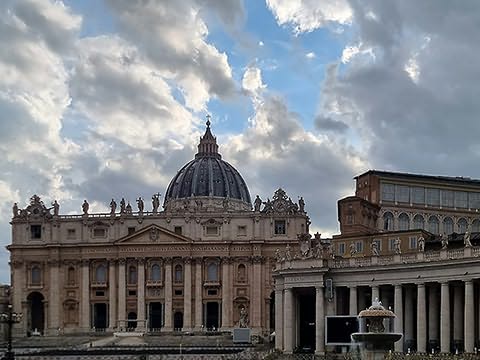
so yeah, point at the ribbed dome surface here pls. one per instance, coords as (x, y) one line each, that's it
(208, 175)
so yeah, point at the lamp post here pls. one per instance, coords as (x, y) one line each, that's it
(10, 318)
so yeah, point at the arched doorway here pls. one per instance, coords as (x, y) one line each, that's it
(132, 320)
(178, 320)
(36, 313)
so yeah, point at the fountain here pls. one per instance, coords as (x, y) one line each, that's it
(376, 331)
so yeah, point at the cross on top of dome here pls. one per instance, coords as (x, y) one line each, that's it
(208, 143)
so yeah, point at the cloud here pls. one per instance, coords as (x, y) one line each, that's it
(329, 124)
(309, 15)
(252, 80)
(173, 37)
(414, 102)
(276, 145)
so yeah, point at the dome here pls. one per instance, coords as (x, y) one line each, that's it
(208, 176)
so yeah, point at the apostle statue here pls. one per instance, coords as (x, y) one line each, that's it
(155, 202)
(15, 210)
(122, 206)
(258, 203)
(301, 205)
(85, 207)
(113, 206)
(140, 204)
(56, 208)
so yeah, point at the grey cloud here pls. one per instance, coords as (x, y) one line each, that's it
(321, 172)
(329, 124)
(428, 124)
(170, 36)
(59, 36)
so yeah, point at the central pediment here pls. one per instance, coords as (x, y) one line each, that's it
(153, 234)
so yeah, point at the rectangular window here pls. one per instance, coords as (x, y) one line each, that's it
(212, 292)
(341, 249)
(131, 230)
(280, 228)
(99, 232)
(349, 219)
(413, 242)
(36, 231)
(418, 195)
(132, 292)
(242, 230)
(379, 244)
(433, 197)
(402, 193)
(447, 198)
(178, 292)
(461, 199)
(474, 200)
(391, 244)
(359, 246)
(99, 293)
(212, 230)
(71, 233)
(177, 230)
(388, 192)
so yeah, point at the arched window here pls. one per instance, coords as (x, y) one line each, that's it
(155, 272)
(388, 221)
(403, 222)
(448, 225)
(36, 275)
(433, 224)
(462, 225)
(71, 275)
(476, 225)
(242, 273)
(101, 274)
(132, 274)
(178, 273)
(418, 222)
(212, 272)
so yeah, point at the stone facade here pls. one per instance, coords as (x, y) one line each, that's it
(192, 266)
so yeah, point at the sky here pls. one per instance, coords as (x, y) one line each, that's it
(108, 99)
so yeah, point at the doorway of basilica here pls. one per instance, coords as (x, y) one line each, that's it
(212, 315)
(36, 312)
(100, 315)
(178, 321)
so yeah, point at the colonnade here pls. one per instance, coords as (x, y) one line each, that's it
(194, 281)
(433, 315)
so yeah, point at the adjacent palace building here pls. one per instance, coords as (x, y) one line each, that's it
(213, 260)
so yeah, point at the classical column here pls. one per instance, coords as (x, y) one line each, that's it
(279, 319)
(288, 316)
(112, 294)
(469, 317)
(85, 297)
(19, 276)
(421, 320)
(54, 298)
(445, 318)
(168, 295)
(433, 316)
(226, 294)
(353, 301)
(187, 295)
(320, 321)
(122, 288)
(141, 295)
(409, 325)
(256, 308)
(198, 295)
(398, 309)
(457, 315)
(375, 293)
